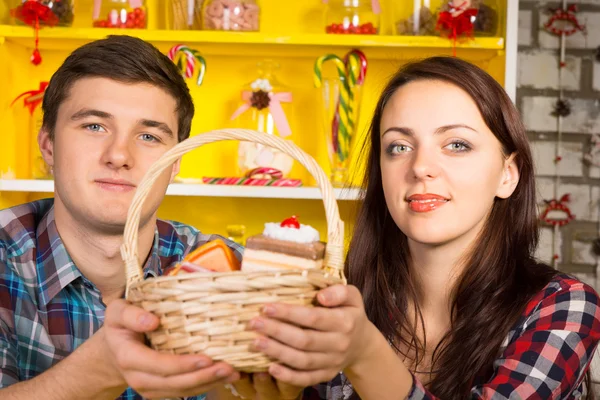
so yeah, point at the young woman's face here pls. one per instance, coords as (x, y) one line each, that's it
(441, 165)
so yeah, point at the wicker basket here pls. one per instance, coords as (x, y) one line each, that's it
(208, 312)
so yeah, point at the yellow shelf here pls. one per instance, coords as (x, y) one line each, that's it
(51, 38)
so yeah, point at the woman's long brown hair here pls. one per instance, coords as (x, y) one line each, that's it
(500, 276)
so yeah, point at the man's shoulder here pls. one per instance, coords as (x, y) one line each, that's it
(18, 226)
(177, 237)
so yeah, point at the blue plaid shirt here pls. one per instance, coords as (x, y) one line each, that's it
(47, 307)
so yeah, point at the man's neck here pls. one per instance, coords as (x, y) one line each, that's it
(97, 254)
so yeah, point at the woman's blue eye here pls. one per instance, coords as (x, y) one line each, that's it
(459, 146)
(398, 148)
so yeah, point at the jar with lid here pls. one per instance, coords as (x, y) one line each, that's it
(467, 18)
(129, 14)
(266, 107)
(352, 17)
(231, 15)
(183, 14)
(416, 18)
(45, 12)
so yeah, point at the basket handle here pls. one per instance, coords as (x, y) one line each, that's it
(334, 259)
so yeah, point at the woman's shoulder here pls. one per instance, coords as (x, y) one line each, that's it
(564, 301)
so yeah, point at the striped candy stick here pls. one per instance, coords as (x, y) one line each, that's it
(356, 65)
(340, 123)
(182, 50)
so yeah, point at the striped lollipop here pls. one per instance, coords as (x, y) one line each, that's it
(179, 52)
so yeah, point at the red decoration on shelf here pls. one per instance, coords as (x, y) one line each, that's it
(264, 173)
(362, 29)
(559, 206)
(31, 12)
(32, 98)
(291, 222)
(567, 20)
(457, 21)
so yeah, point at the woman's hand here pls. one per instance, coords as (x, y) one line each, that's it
(313, 344)
(261, 386)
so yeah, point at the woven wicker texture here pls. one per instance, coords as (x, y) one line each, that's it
(208, 312)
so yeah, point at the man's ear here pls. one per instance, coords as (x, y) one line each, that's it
(510, 177)
(46, 146)
(175, 169)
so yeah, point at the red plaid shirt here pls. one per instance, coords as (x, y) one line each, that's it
(544, 356)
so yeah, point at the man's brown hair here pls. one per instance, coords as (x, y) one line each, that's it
(124, 59)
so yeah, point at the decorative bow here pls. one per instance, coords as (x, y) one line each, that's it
(33, 98)
(275, 100)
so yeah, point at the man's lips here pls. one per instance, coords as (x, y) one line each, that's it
(115, 185)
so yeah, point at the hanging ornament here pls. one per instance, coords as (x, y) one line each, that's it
(33, 13)
(457, 21)
(564, 21)
(556, 212)
(562, 108)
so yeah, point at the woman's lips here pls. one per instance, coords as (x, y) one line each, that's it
(426, 202)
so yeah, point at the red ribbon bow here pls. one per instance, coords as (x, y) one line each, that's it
(32, 12)
(33, 98)
(452, 26)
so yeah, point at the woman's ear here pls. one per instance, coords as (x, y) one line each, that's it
(510, 177)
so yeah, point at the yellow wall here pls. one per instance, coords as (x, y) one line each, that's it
(228, 70)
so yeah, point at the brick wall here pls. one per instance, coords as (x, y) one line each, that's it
(537, 91)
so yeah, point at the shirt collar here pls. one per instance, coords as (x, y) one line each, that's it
(55, 268)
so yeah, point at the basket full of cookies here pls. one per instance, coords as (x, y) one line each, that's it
(204, 307)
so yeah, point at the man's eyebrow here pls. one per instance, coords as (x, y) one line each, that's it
(87, 112)
(157, 124)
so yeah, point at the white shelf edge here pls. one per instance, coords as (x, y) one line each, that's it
(191, 189)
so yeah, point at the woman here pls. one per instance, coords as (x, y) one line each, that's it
(447, 300)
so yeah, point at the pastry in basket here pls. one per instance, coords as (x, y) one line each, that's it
(213, 256)
(285, 245)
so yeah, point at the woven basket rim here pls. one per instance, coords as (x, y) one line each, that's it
(333, 263)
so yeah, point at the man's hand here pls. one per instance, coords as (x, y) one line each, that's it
(149, 372)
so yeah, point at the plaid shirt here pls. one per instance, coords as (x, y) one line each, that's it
(47, 307)
(544, 356)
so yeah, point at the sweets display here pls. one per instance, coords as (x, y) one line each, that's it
(360, 17)
(285, 245)
(119, 14)
(213, 256)
(231, 15)
(46, 12)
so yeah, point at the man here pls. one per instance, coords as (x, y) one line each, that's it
(110, 111)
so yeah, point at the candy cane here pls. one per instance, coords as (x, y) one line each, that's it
(341, 132)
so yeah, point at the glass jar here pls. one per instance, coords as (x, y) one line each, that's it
(184, 14)
(25, 12)
(487, 20)
(231, 15)
(258, 97)
(351, 17)
(416, 18)
(128, 14)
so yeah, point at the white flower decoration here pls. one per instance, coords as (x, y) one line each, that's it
(261, 84)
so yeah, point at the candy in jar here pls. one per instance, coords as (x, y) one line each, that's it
(352, 17)
(231, 15)
(128, 14)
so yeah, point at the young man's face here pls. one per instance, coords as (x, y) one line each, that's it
(106, 137)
